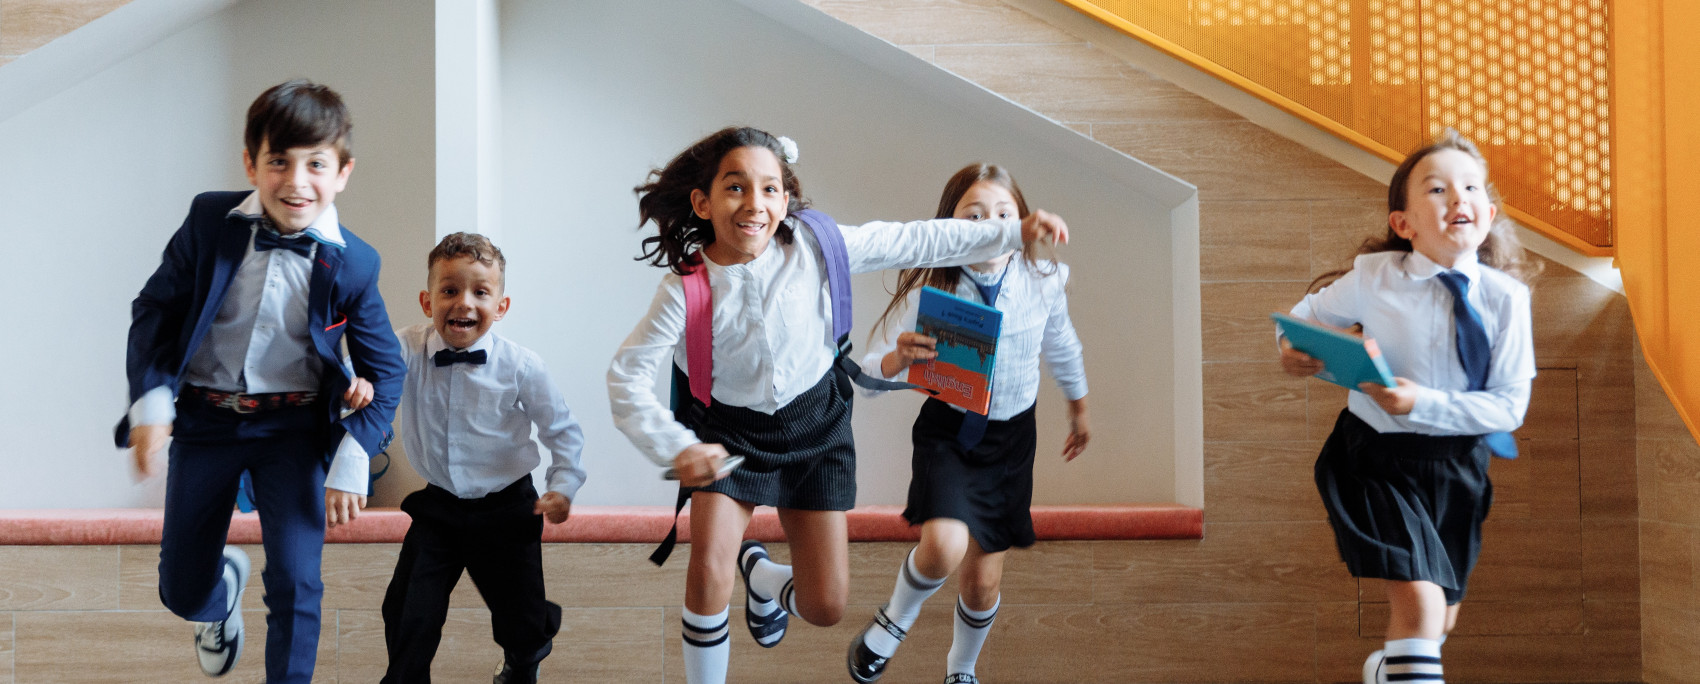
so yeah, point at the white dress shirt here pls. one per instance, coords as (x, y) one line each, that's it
(1035, 325)
(1408, 312)
(258, 341)
(467, 427)
(772, 321)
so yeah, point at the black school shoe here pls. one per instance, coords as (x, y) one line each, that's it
(961, 678)
(767, 629)
(865, 665)
(508, 675)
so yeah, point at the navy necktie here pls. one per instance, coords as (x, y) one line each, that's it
(974, 424)
(1474, 352)
(446, 357)
(266, 240)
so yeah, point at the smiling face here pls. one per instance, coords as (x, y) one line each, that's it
(465, 299)
(1448, 212)
(297, 185)
(745, 203)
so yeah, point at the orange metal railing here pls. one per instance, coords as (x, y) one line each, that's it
(1527, 80)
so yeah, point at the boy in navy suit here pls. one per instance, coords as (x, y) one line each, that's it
(235, 354)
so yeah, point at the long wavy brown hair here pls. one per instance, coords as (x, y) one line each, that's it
(1501, 249)
(665, 196)
(947, 278)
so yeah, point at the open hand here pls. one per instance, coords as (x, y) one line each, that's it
(553, 507)
(1078, 432)
(1396, 401)
(342, 507)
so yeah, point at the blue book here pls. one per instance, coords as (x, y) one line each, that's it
(967, 334)
(1347, 359)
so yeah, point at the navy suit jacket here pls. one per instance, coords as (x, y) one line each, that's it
(175, 309)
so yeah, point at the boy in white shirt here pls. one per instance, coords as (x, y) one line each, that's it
(467, 409)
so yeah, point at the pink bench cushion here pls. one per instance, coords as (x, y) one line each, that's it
(602, 524)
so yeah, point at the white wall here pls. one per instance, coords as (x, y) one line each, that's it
(96, 178)
(595, 94)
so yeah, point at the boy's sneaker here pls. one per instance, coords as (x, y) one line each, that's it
(767, 629)
(1372, 668)
(506, 674)
(219, 644)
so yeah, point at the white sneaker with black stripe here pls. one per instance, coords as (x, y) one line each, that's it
(219, 644)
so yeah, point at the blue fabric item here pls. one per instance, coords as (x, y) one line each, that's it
(837, 259)
(1474, 352)
(265, 240)
(974, 424)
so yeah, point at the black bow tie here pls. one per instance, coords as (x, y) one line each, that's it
(266, 240)
(446, 357)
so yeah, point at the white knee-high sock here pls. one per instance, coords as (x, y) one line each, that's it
(1414, 660)
(911, 591)
(706, 648)
(972, 626)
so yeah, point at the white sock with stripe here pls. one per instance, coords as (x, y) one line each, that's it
(1413, 660)
(771, 580)
(972, 626)
(911, 591)
(706, 649)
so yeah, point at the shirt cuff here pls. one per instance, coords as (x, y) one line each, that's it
(667, 450)
(1427, 409)
(157, 407)
(567, 485)
(350, 468)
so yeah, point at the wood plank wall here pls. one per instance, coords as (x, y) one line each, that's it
(1262, 598)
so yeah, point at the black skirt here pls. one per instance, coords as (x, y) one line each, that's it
(1404, 506)
(989, 487)
(803, 456)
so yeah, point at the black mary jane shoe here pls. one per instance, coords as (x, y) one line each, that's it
(767, 629)
(962, 678)
(865, 665)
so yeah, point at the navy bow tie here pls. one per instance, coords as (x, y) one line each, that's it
(446, 357)
(266, 240)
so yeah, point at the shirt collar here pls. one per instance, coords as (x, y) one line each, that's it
(434, 342)
(1419, 267)
(326, 228)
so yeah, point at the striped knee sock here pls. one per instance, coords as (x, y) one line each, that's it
(705, 647)
(911, 591)
(972, 626)
(1413, 660)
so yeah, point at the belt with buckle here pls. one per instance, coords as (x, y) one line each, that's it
(240, 402)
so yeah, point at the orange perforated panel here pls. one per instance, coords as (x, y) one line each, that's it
(1528, 80)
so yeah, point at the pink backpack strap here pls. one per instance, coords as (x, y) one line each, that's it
(699, 331)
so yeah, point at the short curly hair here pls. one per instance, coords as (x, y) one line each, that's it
(478, 247)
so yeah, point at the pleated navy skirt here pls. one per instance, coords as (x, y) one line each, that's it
(1405, 506)
(989, 487)
(802, 456)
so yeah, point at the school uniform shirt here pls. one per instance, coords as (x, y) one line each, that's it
(258, 342)
(772, 321)
(467, 427)
(1035, 325)
(1408, 311)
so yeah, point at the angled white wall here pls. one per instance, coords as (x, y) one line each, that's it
(595, 94)
(97, 177)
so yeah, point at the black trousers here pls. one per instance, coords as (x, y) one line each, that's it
(495, 539)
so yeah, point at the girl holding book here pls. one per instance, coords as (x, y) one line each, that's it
(727, 204)
(1404, 474)
(972, 481)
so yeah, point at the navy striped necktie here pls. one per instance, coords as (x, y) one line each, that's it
(1474, 352)
(974, 424)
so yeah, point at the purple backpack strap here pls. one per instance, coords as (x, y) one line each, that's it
(831, 242)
